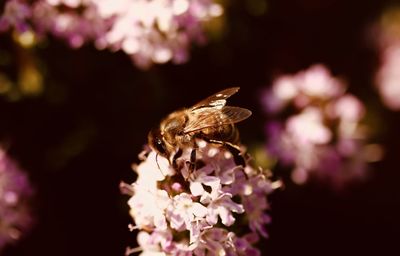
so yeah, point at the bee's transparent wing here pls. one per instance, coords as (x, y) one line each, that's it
(217, 100)
(202, 118)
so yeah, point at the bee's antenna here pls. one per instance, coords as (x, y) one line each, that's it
(159, 168)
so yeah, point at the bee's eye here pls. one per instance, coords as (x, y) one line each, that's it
(160, 146)
(157, 143)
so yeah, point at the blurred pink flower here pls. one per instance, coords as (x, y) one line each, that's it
(148, 31)
(317, 82)
(323, 134)
(388, 76)
(210, 204)
(386, 36)
(312, 85)
(15, 194)
(15, 15)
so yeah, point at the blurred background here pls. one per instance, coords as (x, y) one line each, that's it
(79, 126)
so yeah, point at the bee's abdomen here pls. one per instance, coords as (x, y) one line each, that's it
(225, 133)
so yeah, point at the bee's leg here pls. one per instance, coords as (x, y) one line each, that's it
(237, 154)
(234, 149)
(192, 164)
(176, 156)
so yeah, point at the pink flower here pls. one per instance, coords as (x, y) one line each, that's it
(387, 77)
(15, 15)
(148, 31)
(223, 207)
(182, 211)
(323, 136)
(348, 109)
(15, 195)
(244, 244)
(317, 82)
(302, 89)
(194, 213)
(307, 128)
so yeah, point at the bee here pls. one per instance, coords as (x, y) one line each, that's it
(209, 120)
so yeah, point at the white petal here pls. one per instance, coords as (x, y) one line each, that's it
(196, 188)
(226, 216)
(199, 210)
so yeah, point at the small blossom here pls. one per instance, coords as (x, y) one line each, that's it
(223, 207)
(387, 77)
(307, 128)
(182, 212)
(324, 135)
(317, 82)
(244, 244)
(15, 194)
(15, 16)
(149, 32)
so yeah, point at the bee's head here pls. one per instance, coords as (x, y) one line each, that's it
(156, 142)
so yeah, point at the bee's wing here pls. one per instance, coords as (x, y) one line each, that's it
(216, 100)
(202, 118)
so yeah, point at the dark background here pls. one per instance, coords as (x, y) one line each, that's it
(79, 137)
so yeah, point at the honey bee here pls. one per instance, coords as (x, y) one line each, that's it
(209, 120)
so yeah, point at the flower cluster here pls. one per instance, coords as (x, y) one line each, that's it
(321, 132)
(15, 193)
(149, 32)
(217, 209)
(388, 76)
